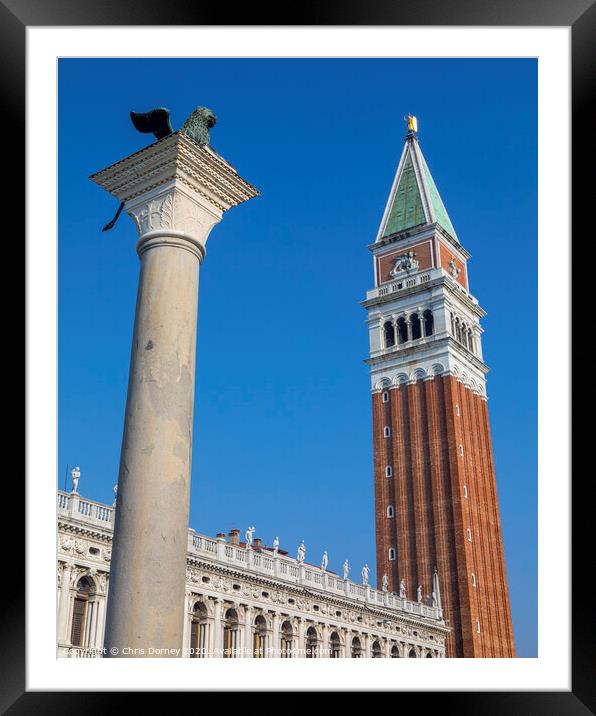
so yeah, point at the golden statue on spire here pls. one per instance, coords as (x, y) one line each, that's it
(412, 123)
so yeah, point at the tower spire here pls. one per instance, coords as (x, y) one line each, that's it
(414, 200)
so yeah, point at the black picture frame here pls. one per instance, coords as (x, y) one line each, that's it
(580, 15)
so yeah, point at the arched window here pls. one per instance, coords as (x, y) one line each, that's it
(457, 330)
(429, 324)
(81, 612)
(385, 396)
(392, 554)
(198, 631)
(287, 640)
(376, 650)
(390, 511)
(402, 331)
(429, 655)
(395, 652)
(416, 326)
(473, 580)
(386, 431)
(469, 535)
(335, 644)
(230, 634)
(259, 637)
(389, 334)
(356, 648)
(311, 643)
(388, 471)
(412, 654)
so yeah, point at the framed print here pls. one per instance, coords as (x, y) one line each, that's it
(407, 502)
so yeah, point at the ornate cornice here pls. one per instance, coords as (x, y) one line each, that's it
(65, 525)
(176, 158)
(404, 619)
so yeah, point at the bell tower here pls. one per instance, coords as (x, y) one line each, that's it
(435, 491)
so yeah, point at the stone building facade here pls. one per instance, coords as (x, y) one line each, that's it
(240, 602)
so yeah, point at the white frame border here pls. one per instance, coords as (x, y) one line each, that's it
(552, 669)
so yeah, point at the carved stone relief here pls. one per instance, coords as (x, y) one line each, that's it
(174, 211)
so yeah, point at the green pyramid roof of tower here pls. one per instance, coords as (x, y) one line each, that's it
(415, 199)
(441, 215)
(407, 209)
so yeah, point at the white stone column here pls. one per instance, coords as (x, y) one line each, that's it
(217, 630)
(301, 641)
(275, 645)
(247, 638)
(325, 641)
(58, 588)
(98, 635)
(175, 191)
(347, 643)
(102, 623)
(476, 332)
(206, 641)
(64, 605)
(375, 328)
(91, 617)
(187, 618)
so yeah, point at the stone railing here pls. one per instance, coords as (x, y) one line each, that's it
(262, 562)
(289, 570)
(405, 282)
(73, 505)
(409, 281)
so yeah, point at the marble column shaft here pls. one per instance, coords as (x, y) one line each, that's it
(175, 191)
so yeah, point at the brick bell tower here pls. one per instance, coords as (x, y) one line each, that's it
(435, 490)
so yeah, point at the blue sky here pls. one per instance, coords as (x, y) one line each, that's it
(282, 436)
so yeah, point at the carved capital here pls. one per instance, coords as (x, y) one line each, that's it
(175, 188)
(173, 215)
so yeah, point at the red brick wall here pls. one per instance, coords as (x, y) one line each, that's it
(446, 254)
(431, 514)
(423, 253)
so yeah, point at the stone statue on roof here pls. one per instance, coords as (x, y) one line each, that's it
(75, 473)
(249, 536)
(365, 574)
(402, 589)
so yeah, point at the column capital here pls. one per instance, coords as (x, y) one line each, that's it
(175, 191)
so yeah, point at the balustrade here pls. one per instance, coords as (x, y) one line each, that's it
(284, 568)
